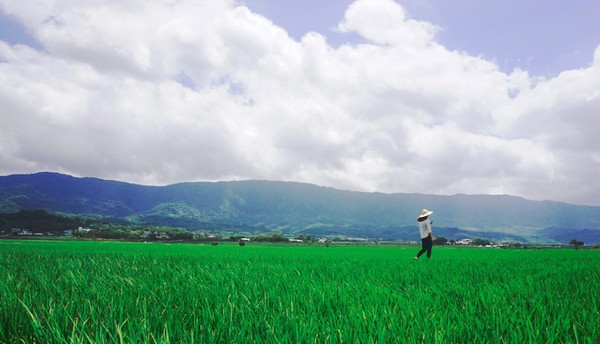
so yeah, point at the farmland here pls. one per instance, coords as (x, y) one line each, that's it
(107, 292)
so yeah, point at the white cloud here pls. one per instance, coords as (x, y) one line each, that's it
(161, 92)
(385, 22)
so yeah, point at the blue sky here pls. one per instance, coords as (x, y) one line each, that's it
(542, 37)
(428, 96)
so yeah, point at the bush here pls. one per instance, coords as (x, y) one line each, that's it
(481, 242)
(440, 241)
(270, 238)
(576, 243)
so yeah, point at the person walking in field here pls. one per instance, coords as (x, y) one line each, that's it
(426, 233)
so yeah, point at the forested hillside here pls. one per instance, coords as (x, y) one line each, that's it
(287, 207)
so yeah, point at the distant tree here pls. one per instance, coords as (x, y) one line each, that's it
(279, 238)
(481, 242)
(440, 241)
(260, 238)
(270, 238)
(576, 243)
(306, 238)
(179, 234)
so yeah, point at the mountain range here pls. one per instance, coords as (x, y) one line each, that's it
(294, 208)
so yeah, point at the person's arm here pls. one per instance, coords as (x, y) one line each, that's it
(430, 231)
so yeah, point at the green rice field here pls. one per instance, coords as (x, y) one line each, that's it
(117, 292)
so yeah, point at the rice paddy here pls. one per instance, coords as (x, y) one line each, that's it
(116, 292)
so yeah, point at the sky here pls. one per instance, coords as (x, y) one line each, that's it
(426, 96)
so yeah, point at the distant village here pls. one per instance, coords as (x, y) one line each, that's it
(177, 234)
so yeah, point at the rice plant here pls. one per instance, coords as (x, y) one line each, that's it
(115, 292)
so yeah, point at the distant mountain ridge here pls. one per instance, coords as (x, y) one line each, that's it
(289, 207)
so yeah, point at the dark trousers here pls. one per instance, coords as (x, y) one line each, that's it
(427, 244)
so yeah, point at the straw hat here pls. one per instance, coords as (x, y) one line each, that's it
(425, 213)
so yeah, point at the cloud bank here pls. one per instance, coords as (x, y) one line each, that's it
(168, 91)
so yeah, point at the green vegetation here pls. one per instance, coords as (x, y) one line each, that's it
(576, 243)
(481, 242)
(111, 292)
(38, 220)
(114, 231)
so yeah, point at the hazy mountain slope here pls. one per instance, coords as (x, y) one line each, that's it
(291, 207)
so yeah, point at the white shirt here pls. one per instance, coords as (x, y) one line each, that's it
(424, 228)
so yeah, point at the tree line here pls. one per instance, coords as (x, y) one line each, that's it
(42, 222)
(38, 221)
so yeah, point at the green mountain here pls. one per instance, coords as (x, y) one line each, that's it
(289, 208)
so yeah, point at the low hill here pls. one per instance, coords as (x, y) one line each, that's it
(288, 207)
